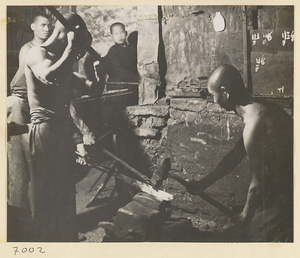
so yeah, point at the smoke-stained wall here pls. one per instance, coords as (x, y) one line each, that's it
(193, 48)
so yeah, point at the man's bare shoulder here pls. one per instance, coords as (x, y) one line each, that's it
(254, 113)
(268, 110)
(26, 47)
(37, 50)
(35, 55)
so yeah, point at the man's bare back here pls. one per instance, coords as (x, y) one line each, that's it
(268, 142)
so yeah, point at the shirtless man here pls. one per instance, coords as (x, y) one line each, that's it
(41, 28)
(18, 113)
(268, 142)
(48, 73)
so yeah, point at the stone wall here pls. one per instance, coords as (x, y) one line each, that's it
(142, 143)
(189, 137)
(199, 135)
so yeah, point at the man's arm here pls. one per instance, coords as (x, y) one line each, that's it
(226, 165)
(42, 67)
(23, 53)
(254, 145)
(88, 136)
(80, 149)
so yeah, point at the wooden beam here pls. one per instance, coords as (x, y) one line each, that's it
(246, 50)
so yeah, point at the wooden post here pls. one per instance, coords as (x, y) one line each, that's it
(246, 50)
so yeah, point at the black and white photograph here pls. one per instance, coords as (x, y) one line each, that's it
(139, 123)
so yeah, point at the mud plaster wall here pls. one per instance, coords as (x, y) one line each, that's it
(192, 46)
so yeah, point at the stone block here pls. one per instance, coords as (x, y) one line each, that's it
(159, 122)
(214, 107)
(160, 111)
(140, 219)
(154, 122)
(148, 133)
(185, 93)
(151, 201)
(163, 102)
(184, 116)
(190, 104)
(134, 121)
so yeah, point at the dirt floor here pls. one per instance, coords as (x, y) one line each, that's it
(96, 218)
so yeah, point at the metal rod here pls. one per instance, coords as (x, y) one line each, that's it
(133, 170)
(97, 180)
(122, 83)
(103, 136)
(138, 184)
(100, 188)
(204, 196)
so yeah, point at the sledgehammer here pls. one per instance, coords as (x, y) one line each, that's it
(69, 26)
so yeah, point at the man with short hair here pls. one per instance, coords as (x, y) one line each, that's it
(48, 71)
(41, 28)
(268, 142)
(18, 113)
(19, 161)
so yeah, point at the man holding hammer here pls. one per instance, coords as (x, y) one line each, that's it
(52, 134)
(268, 142)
